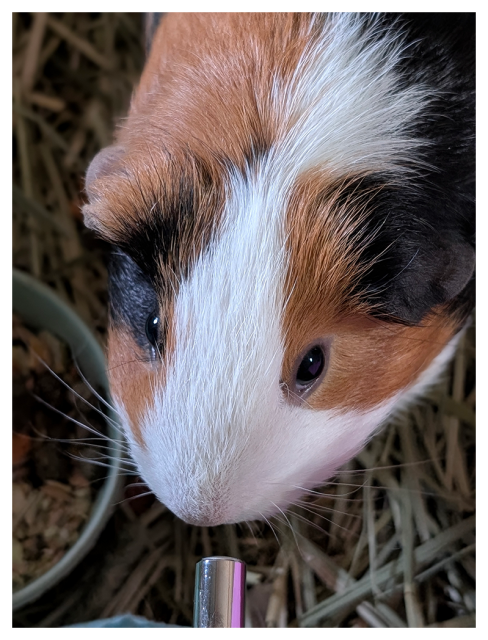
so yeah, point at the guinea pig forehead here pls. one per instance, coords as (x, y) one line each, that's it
(162, 209)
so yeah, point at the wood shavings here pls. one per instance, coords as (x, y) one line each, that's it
(51, 495)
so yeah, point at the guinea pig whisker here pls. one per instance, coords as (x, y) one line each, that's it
(89, 404)
(283, 530)
(336, 483)
(397, 489)
(124, 461)
(271, 527)
(121, 443)
(399, 465)
(130, 498)
(290, 393)
(281, 521)
(371, 486)
(303, 504)
(124, 473)
(312, 524)
(158, 350)
(102, 447)
(317, 492)
(331, 496)
(320, 491)
(251, 531)
(95, 392)
(77, 422)
(319, 515)
(102, 464)
(145, 360)
(79, 442)
(89, 442)
(256, 527)
(288, 522)
(309, 522)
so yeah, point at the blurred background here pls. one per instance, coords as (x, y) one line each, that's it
(388, 543)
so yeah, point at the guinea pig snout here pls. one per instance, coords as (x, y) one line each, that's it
(203, 506)
(213, 502)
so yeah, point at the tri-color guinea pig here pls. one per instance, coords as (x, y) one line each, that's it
(291, 204)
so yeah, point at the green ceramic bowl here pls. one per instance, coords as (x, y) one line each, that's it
(41, 308)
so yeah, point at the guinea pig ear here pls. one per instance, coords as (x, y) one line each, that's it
(103, 164)
(416, 245)
(434, 276)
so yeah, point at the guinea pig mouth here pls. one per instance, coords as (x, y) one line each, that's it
(201, 521)
(203, 515)
(237, 514)
(204, 512)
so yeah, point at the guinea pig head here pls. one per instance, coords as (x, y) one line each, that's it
(247, 357)
(269, 306)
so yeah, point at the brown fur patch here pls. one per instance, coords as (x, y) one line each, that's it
(133, 377)
(370, 360)
(208, 81)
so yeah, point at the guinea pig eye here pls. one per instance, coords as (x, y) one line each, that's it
(310, 367)
(152, 329)
(309, 370)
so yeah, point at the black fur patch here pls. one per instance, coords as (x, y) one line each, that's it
(425, 231)
(132, 297)
(419, 252)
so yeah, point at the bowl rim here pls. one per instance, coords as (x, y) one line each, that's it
(27, 292)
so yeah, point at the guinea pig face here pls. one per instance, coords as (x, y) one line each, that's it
(279, 284)
(257, 372)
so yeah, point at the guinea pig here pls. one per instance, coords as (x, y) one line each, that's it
(291, 206)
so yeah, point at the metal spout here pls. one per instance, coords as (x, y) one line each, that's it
(220, 590)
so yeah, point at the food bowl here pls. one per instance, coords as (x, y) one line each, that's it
(40, 308)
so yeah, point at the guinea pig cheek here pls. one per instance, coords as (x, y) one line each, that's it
(132, 382)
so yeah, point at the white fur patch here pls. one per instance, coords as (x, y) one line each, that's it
(222, 389)
(344, 109)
